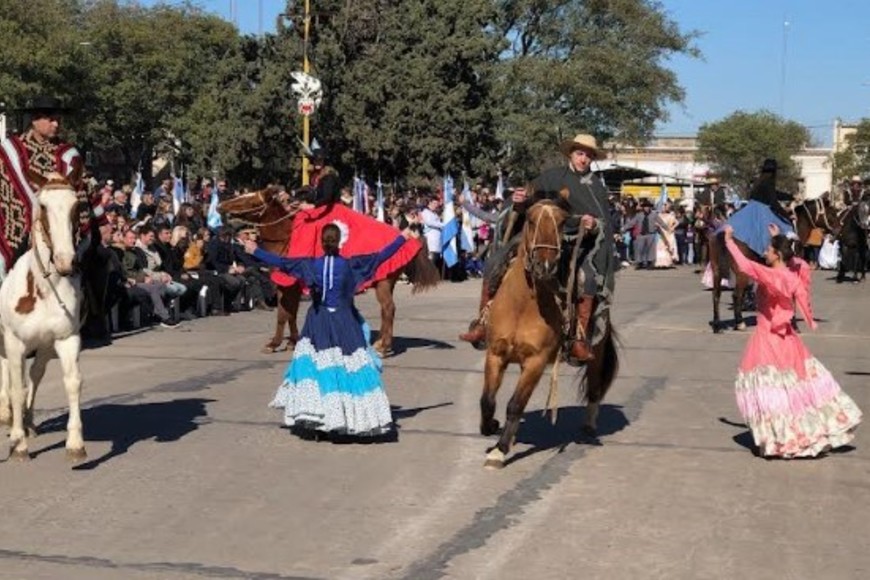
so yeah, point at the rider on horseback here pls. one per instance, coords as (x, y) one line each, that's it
(588, 201)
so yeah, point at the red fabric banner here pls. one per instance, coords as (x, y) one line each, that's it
(360, 235)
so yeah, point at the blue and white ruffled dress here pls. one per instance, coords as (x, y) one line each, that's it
(333, 383)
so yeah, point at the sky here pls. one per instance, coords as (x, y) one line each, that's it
(745, 44)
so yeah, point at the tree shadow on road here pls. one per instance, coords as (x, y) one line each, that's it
(126, 425)
(538, 430)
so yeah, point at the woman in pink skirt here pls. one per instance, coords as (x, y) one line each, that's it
(790, 401)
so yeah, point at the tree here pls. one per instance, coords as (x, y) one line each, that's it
(737, 145)
(592, 66)
(854, 159)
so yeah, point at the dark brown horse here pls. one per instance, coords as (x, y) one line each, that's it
(807, 216)
(526, 327)
(265, 210)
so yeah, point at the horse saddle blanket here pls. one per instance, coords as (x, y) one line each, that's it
(750, 225)
(360, 235)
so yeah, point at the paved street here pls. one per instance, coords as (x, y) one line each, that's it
(191, 476)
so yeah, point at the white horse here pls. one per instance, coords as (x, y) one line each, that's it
(39, 314)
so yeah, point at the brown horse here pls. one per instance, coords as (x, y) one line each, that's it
(526, 327)
(265, 210)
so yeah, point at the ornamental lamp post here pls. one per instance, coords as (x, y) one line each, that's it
(306, 68)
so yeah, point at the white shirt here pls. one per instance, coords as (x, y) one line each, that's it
(432, 225)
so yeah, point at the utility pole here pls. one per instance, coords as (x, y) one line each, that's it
(306, 68)
(785, 26)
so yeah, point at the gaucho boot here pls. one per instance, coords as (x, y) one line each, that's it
(581, 351)
(477, 332)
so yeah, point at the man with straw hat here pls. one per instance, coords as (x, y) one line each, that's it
(588, 199)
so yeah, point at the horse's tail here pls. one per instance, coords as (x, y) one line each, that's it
(422, 273)
(601, 373)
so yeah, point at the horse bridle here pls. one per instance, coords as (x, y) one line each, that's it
(42, 228)
(259, 211)
(549, 209)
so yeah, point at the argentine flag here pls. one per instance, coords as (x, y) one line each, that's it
(663, 198)
(178, 194)
(450, 230)
(136, 197)
(467, 238)
(380, 208)
(499, 187)
(213, 218)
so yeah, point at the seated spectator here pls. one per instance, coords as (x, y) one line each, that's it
(154, 264)
(263, 291)
(173, 264)
(134, 264)
(220, 259)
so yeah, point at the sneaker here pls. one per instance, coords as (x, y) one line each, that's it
(169, 323)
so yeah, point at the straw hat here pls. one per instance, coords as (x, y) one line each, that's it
(582, 141)
(856, 178)
(713, 180)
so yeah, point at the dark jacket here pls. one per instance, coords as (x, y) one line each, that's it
(219, 255)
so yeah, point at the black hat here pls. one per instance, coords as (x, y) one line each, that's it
(769, 166)
(43, 104)
(317, 154)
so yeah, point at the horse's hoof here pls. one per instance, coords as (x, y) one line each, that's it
(494, 459)
(19, 455)
(589, 431)
(76, 455)
(740, 326)
(490, 429)
(31, 431)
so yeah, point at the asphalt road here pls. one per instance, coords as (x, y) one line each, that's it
(190, 475)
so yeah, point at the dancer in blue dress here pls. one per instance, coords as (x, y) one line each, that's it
(333, 383)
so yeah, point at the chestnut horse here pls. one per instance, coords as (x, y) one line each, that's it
(526, 327)
(265, 210)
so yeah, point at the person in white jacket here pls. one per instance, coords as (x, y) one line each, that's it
(432, 226)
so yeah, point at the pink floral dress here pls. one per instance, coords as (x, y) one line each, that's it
(790, 401)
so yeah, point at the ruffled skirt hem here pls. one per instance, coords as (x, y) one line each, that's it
(790, 416)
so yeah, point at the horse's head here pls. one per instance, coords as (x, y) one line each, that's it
(56, 223)
(251, 205)
(542, 239)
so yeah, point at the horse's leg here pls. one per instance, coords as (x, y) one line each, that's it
(291, 305)
(532, 369)
(37, 371)
(384, 293)
(493, 374)
(717, 286)
(741, 281)
(68, 352)
(5, 408)
(16, 358)
(280, 320)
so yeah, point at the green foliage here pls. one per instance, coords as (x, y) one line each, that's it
(854, 159)
(412, 88)
(737, 145)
